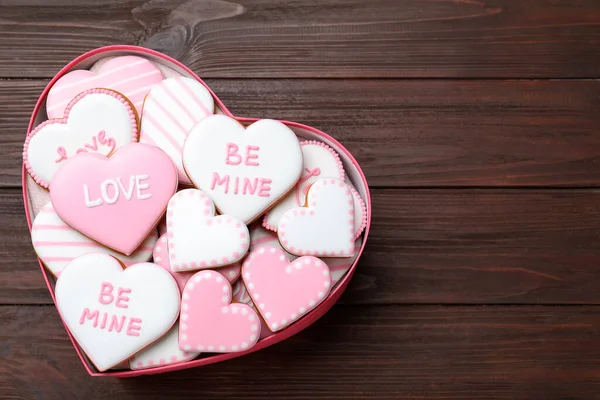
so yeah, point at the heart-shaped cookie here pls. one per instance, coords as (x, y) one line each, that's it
(326, 227)
(240, 168)
(113, 312)
(299, 286)
(130, 75)
(171, 109)
(209, 322)
(116, 201)
(164, 351)
(199, 240)
(96, 121)
(57, 244)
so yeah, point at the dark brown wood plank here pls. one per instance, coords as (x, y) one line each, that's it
(407, 133)
(314, 38)
(424, 352)
(426, 246)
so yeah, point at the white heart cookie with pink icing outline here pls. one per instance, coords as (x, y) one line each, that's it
(199, 240)
(165, 351)
(325, 227)
(244, 170)
(113, 312)
(96, 121)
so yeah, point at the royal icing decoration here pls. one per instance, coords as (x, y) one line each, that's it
(319, 161)
(360, 212)
(116, 201)
(324, 228)
(57, 244)
(284, 291)
(171, 109)
(164, 351)
(209, 322)
(240, 295)
(244, 170)
(338, 266)
(199, 240)
(113, 312)
(96, 121)
(130, 75)
(160, 255)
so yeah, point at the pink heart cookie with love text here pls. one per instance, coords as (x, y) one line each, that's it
(284, 291)
(116, 201)
(130, 75)
(209, 322)
(199, 240)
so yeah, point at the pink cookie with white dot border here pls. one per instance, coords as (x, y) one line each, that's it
(209, 322)
(160, 255)
(199, 240)
(240, 295)
(284, 291)
(324, 228)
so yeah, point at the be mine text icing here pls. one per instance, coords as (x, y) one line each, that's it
(257, 186)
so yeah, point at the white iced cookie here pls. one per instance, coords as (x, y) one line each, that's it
(325, 227)
(244, 170)
(57, 244)
(171, 109)
(197, 238)
(164, 351)
(113, 312)
(319, 161)
(96, 121)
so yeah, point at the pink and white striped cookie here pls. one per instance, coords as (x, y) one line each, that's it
(165, 351)
(160, 255)
(57, 244)
(324, 228)
(199, 240)
(171, 109)
(129, 75)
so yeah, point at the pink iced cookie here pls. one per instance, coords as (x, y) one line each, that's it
(130, 75)
(57, 244)
(319, 161)
(360, 212)
(240, 295)
(284, 291)
(326, 227)
(209, 322)
(199, 240)
(241, 168)
(161, 258)
(171, 109)
(113, 312)
(165, 351)
(116, 201)
(96, 121)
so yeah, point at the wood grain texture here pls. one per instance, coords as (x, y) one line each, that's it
(353, 352)
(407, 133)
(425, 246)
(314, 38)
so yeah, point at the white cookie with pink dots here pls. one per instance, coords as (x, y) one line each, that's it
(164, 351)
(197, 238)
(324, 228)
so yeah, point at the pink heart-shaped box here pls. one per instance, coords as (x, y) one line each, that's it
(34, 197)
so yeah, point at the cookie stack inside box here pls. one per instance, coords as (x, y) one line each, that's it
(174, 231)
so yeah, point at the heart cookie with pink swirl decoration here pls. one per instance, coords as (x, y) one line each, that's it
(199, 240)
(284, 291)
(116, 201)
(96, 121)
(209, 322)
(241, 168)
(160, 255)
(130, 75)
(325, 227)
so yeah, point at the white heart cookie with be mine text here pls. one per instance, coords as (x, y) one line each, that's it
(244, 170)
(113, 312)
(325, 228)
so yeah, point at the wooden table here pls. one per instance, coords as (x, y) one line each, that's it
(477, 123)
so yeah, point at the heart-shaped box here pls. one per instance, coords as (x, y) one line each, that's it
(35, 197)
